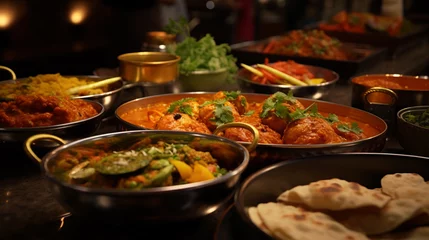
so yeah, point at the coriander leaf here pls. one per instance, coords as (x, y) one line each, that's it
(354, 128)
(179, 27)
(179, 103)
(332, 118)
(222, 115)
(249, 113)
(232, 95)
(298, 114)
(281, 111)
(243, 102)
(269, 105)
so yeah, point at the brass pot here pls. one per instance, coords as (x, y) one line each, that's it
(149, 67)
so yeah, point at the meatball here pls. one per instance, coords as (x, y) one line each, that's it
(310, 130)
(239, 101)
(346, 135)
(225, 112)
(187, 106)
(181, 122)
(266, 134)
(273, 120)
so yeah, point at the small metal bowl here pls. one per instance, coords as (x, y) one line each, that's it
(204, 80)
(68, 131)
(149, 67)
(366, 169)
(314, 91)
(179, 202)
(413, 138)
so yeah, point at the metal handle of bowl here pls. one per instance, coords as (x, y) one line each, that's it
(247, 126)
(12, 73)
(387, 91)
(32, 139)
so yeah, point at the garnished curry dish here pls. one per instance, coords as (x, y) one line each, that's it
(339, 209)
(314, 43)
(37, 111)
(140, 165)
(280, 119)
(47, 85)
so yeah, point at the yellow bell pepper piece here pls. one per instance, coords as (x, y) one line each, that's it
(199, 174)
(184, 169)
(315, 81)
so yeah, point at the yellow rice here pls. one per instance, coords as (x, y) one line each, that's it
(47, 84)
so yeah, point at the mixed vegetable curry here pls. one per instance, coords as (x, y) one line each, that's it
(280, 119)
(142, 165)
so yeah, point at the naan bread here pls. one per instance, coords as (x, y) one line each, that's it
(391, 182)
(256, 219)
(420, 233)
(370, 221)
(408, 186)
(334, 194)
(292, 223)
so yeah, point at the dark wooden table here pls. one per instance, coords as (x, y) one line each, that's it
(28, 210)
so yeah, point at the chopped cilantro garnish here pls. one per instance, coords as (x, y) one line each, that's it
(249, 113)
(183, 108)
(354, 128)
(275, 103)
(232, 95)
(332, 118)
(222, 114)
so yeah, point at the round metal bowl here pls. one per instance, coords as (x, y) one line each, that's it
(386, 102)
(179, 202)
(267, 154)
(413, 138)
(109, 99)
(68, 131)
(366, 169)
(149, 67)
(314, 91)
(204, 80)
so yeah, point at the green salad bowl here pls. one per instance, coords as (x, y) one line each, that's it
(204, 80)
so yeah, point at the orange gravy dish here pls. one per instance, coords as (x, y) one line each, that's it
(393, 82)
(280, 118)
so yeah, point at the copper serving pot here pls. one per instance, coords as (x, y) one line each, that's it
(385, 102)
(266, 154)
(148, 67)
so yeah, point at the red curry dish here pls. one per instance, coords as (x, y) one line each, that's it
(37, 111)
(280, 119)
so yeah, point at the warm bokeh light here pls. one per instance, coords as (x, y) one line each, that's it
(78, 14)
(6, 18)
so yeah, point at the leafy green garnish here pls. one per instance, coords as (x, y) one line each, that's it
(202, 54)
(249, 113)
(421, 120)
(354, 128)
(222, 114)
(232, 95)
(275, 103)
(332, 118)
(183, 108)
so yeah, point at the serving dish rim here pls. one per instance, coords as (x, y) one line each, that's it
(150, 63)
(58, 126)
(156, 190)
(390, 75)
(241, 209)
(285, 146)
(327, 83)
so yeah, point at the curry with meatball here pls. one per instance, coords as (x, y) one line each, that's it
(280, 119)
(143, 164)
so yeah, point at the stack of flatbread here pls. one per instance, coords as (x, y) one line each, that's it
(338, 209)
